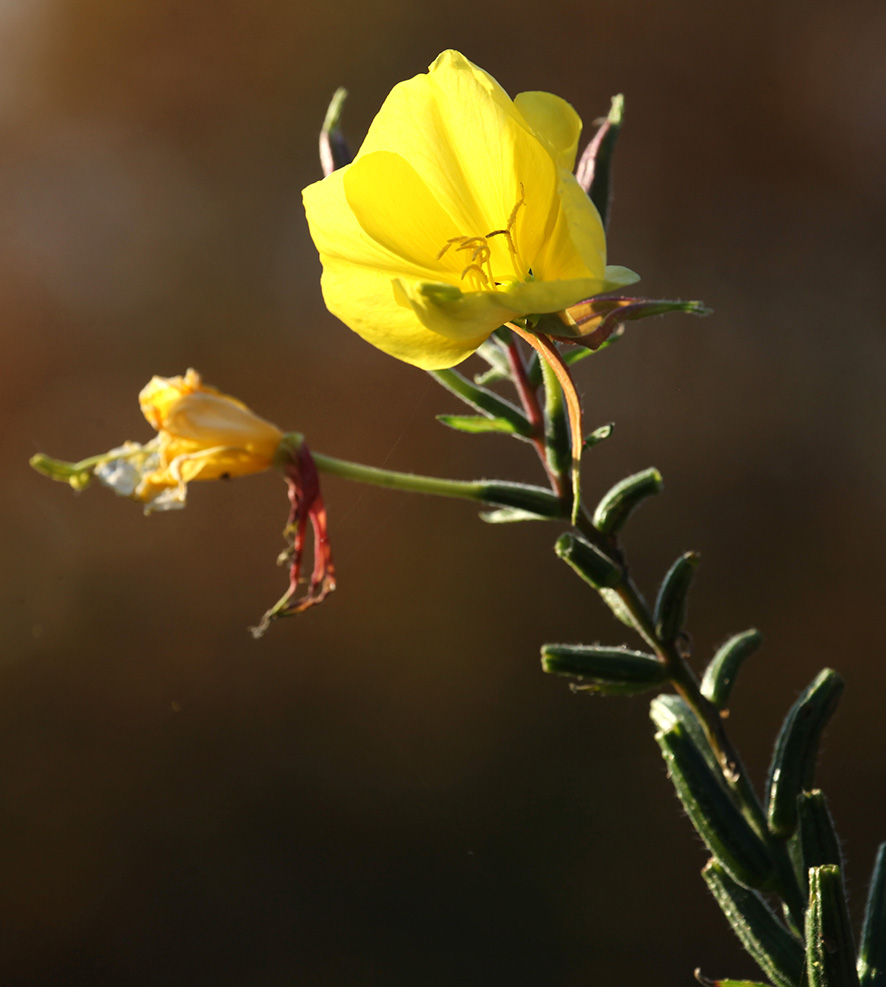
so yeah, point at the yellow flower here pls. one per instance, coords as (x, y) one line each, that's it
(202, 434)
(459, 213)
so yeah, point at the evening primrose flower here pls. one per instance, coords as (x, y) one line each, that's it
(202, 434)
(459, 214)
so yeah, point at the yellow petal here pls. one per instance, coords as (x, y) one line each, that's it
(445, 308)
(463, 135)
(554, 122)
(364, 299)
(397, 210)
(338, 235)
(214, 420)
(577, 245)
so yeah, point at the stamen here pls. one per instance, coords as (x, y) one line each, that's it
(480, 268)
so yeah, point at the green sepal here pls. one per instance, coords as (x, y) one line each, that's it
(618, 504)
(719, 676)
(595, 321)
(594, 171)
(771, 945)
(612, 671)
(476, 424)
(483, 400)
(670, 606)
(793, 760)
(598, 435)
(709, 805)
(592, 565)
(510, 515)
(830, 953)
(872, 947)
(334, 150)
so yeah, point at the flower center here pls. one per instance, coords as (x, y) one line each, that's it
(479, 254)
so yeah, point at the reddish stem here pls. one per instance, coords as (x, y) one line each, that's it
(529, 400)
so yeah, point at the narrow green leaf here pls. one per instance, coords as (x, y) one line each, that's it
(523, 496)
(778, 954)
(557, 439)
(477, 424)
(710, 982)
(623, 499)
(613, 671)
(719, 676)
(670, 607)
(599, 435)
(818, 836)
(872, 948)
(667, 710)
(710, 807)
(830, 953)
(510, 515)
(796, 749)
(589, 562)
(618, 607)
(482, 399)
(499, 367)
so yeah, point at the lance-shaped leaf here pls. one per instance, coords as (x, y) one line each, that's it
(670, 606)
(719, 676)
(558, 443)
(478, 424)
(613, 671)
(522, 496)
(710, 982)
(717, 819)
(796, 749)
(830, 953)
(599, 435)
(589, 562)
(818, 836)
(494, 353)
(624, 498)
(773, 948)
(667, 709)
(510, 515)
(483, 400)
(872, 948)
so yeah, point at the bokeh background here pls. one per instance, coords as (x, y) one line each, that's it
(388, 790)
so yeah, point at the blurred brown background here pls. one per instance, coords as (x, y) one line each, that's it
(388, 790)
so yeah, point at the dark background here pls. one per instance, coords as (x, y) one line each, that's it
(388, 790)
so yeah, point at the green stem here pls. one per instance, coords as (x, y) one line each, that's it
(686, 685)
(501, 493)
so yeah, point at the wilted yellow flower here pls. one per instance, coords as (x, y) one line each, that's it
(460, 213)
(202, 434)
